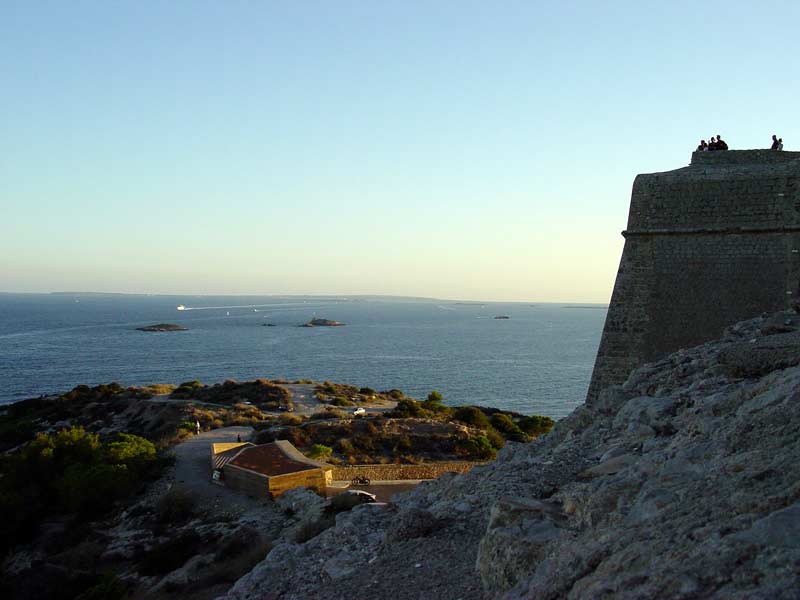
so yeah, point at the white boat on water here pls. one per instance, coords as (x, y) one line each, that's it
(181, 307)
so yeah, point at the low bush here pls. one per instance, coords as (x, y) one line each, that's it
(159, 388)
(406, 408)
(478, 447)
(290, 419)
(341, 401)
(345, 446)
(329, 413)
(320, 451)
(535, 425)
(495, 438)
(471, 415)
(508, 428)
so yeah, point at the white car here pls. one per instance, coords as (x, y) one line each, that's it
(359, 412)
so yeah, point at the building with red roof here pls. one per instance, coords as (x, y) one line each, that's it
(268, 470)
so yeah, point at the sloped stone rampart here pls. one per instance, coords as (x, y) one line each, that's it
(706, 246)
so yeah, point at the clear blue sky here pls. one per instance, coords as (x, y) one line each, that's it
(472, 150)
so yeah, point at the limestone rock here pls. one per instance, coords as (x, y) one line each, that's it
(516, 538)
(412, 523)
(682, 483)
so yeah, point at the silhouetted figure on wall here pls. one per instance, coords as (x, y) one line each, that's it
(712, 144)
(780, 144)
(775, 143)
(721, 145)
(703, 147)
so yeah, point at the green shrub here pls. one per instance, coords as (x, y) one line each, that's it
(320, 451)
(406, 408)
(341, 401)
(395, 393)
(70, 471)
(510, 430)
(435, 397)
(535, 425)
(132, 451)
(495, 438)
(367, 391)
(471, 415)
(478, 447)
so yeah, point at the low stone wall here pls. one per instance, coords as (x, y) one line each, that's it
(395, 472)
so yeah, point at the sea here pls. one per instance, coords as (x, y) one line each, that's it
(537, 361)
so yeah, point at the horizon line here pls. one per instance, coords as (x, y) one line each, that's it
(306, 295)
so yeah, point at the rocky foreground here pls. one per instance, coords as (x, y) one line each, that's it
(682, 483)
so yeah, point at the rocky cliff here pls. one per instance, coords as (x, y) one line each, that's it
(682, 483)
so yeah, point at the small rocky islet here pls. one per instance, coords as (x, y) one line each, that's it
(163, 327)
(323, 323)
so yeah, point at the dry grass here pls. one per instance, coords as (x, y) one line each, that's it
(159, 388)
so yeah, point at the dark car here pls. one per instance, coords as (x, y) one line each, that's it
(350, 499)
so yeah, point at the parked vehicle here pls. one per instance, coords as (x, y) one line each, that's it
(360, 480)
(349, 499)
(360, 411)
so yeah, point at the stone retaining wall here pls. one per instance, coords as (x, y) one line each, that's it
(395, 472)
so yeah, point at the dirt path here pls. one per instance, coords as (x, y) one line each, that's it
(192, 471)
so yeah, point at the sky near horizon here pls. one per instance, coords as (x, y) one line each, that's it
(453, 149)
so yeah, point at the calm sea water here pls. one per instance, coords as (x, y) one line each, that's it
(538, 361)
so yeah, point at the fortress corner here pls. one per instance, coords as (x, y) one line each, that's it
(706, 246)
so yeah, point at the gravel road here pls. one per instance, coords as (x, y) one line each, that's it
(192, 471)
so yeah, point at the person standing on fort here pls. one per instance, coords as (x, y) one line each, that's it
(712, 144)
(702, 147)
(774, 142)
(780, 143)
(721, 145)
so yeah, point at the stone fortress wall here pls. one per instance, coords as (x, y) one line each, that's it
(706, 246)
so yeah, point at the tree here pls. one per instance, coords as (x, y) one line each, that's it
(435, 397)
(132, 451)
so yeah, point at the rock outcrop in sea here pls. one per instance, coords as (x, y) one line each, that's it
(684, 482)
(163, 327)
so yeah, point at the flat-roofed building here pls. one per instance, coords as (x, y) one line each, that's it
(268, 469)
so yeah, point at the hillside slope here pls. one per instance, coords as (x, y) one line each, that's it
(682, 483)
